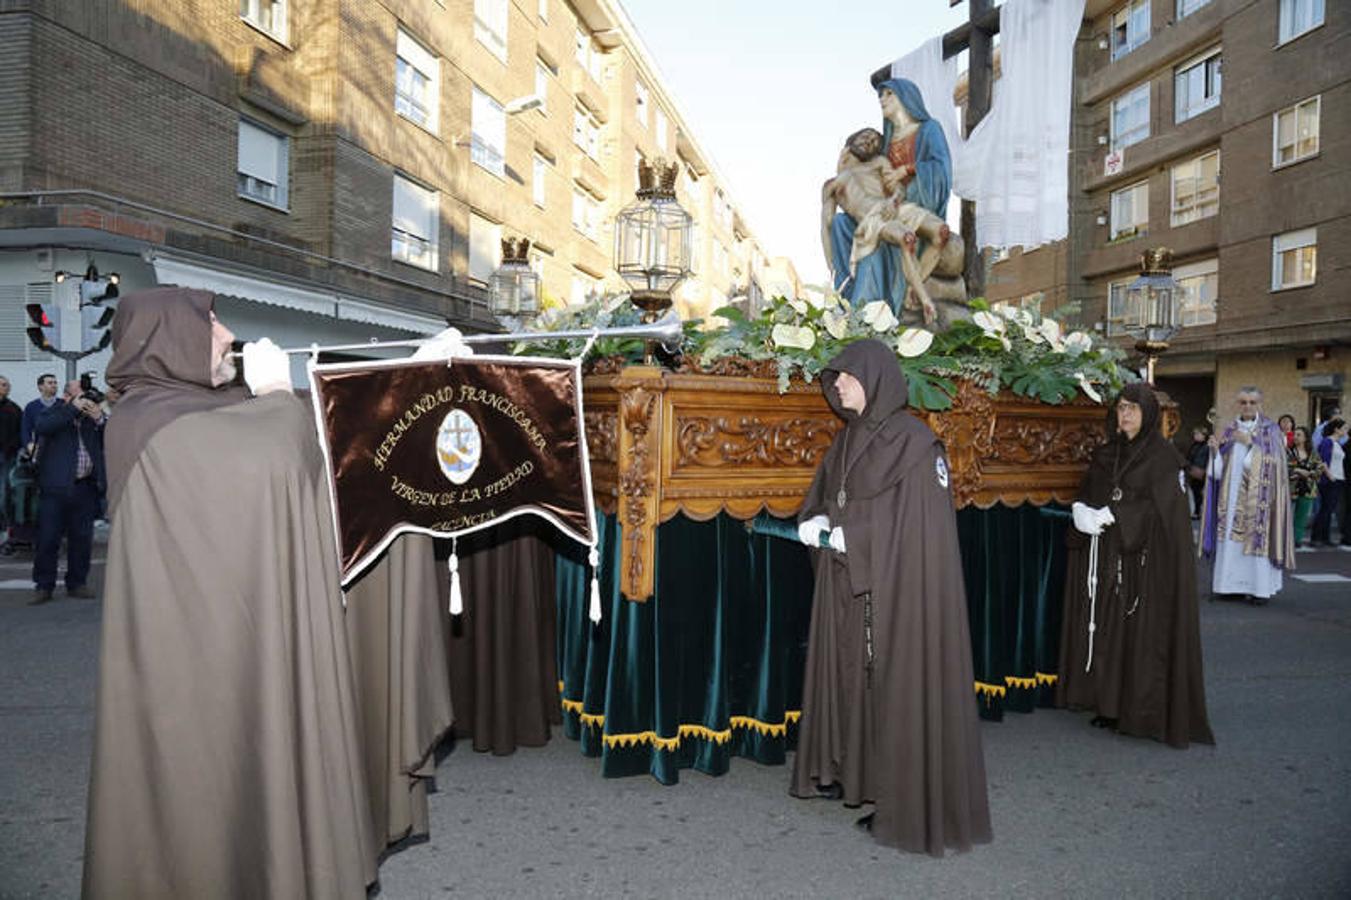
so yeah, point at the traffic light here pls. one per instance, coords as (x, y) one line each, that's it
(45, 332)
(94, 322)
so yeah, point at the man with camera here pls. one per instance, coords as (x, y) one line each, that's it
(71, 482)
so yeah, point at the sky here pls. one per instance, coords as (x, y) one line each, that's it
(771, 88)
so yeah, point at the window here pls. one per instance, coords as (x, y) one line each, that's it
(722, 210)
(1130, 27)
(1294, 259)
(417, 221)
(1196, 189)
(584, 288)
(1130, 117)
(638, 160)
(1130, 211)
(544, 10)
(1198, 290)
(261, 173)
(660, 128)
(1196, 86)
(1187, 7)
(641, 100)
(588, 57)
(485, 248)
(488, 124)
(696, 247)
(1299, 16)
(266, 15)
(1295, 132)
(1116, 307)
(586, 132)
(417, 79)
(542, 73)
(585, 213)
(490, 26)
(690, 182)
(539, 172)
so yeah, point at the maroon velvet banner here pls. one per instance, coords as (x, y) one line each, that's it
(445, 449)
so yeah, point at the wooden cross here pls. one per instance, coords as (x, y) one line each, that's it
(975, 35)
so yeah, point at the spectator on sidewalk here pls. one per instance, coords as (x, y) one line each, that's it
(1305, 469)
(71, 483)
(46, 397)
(1198, 457)
(1333, 482)
(11, 426)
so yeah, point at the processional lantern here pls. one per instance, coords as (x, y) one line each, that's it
(653, 240)
(515, 286)
(1151, 315)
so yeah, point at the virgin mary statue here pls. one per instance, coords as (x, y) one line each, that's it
(920, 169)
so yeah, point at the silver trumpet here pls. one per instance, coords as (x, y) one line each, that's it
(666, 331)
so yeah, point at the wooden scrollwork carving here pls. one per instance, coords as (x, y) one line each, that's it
(714, 441)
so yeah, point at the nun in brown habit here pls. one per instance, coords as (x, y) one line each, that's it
(1130, 644)
(888, 713)
(227, 760)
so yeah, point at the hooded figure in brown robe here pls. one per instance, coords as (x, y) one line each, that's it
(888, 713)
(396, 629)
(226, 753)
(1130, 642)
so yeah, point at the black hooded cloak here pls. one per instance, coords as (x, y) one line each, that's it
(888, 712)
(1145, 670)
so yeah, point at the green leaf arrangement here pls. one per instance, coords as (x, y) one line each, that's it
(1000, 347)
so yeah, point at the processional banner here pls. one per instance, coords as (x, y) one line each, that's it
(447, 447)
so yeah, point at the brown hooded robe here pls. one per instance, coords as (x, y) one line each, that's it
(902, 730)
(1146, 664)
(396, 631)
(503, 674)
(226, 758)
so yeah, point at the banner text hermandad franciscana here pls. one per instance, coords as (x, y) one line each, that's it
(448, 447)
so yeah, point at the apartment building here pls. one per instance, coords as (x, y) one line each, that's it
(336, 171)
(1218, 129)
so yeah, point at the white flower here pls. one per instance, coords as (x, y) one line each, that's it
(1014, 314)
(1050, 329)
(800, 337)
(800, 306)
(878, 314)
(1087, 387)
(993, 326)
(914, 341)
(836, 322)
(988, 323)
(833, 299)
(1078, 342)
(1033, 335)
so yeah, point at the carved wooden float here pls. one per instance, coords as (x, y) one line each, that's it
(723, 439)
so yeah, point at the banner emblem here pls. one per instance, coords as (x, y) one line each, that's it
(459, 446)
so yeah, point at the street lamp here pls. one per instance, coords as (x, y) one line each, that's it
(515, 286)
(1151, 306)
(652, 240)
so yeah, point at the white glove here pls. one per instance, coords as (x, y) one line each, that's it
(810, 531)
(443, 345)
(1104, 517)
(837, 539)
(1091, 520)
(266, 367)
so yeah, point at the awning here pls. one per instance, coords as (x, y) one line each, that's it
(192, 274)
(371, 314)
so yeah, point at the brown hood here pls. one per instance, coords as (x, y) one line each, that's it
(162, 367)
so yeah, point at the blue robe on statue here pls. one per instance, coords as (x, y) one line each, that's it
(879, 275)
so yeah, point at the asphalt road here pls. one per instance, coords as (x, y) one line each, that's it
(1077, 812)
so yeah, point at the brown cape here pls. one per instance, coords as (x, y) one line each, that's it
(904, 735)
(396, 631)
(503, 676)
(226, 759)
(1146, 668)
